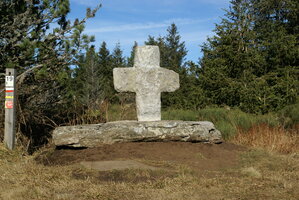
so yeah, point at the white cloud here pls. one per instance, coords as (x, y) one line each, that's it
(126, 27)
(146, 25)
(192, 38)
(126, 21)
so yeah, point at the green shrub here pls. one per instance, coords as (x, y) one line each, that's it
(226, 128)
(289, 116)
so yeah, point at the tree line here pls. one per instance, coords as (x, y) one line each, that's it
(250, 63)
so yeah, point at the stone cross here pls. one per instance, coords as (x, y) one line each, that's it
(147, 79)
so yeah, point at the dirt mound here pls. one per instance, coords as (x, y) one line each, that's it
(195, 155)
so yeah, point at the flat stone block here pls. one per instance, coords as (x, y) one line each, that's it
(133, 131)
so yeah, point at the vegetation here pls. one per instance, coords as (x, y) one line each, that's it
(246, 83)
(42, 56)
(252, 62)
(248, 75)
(273, 139)
(231, 121)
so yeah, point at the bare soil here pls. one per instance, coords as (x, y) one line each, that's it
(197, 156)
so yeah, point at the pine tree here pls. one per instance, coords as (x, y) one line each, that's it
(244, 64)
(130, 60)
(175, 50)
(228, 56)
(172, 53)
(105, 72)
(117, 57)
(173, 58)
(87, 88)
(42, 57)
(277, 23)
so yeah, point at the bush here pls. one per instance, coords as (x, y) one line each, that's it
(289, 116)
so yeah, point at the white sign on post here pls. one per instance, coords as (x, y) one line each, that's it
(9, 81)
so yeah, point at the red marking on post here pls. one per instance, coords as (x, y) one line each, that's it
(9, 104)
(9, 90)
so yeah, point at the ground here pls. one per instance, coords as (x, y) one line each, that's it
(178, 171)
(198, 156)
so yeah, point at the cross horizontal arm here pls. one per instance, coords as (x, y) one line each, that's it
(170, 80)
(124, 79)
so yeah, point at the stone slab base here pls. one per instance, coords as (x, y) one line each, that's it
(133, 131)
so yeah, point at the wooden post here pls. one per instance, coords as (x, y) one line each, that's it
(10, 108)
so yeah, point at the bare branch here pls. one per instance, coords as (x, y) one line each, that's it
(22, 76)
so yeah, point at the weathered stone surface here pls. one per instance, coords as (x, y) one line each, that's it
(133, 131)
(147, 79)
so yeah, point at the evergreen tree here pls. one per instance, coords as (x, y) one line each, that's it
(193, 94)
(117, 57)
(118, 60)
(172, 53)
(130, 60)
(175, 50)
(277, 24)
(105, 72)
(245, 64)
(42, 58)
(160, 42)
(87, 80)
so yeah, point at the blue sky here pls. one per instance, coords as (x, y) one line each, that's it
(126, 21)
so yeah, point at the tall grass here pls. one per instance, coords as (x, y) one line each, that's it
(274, 132)
(270, 138)
(227, 121)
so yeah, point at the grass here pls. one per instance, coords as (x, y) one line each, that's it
(270, 138)
(289, 116)
(273, 132)
(227, 121)
(259, 175)
(179, 114)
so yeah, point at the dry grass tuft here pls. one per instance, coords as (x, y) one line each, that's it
(251, 171)
(263, 136)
